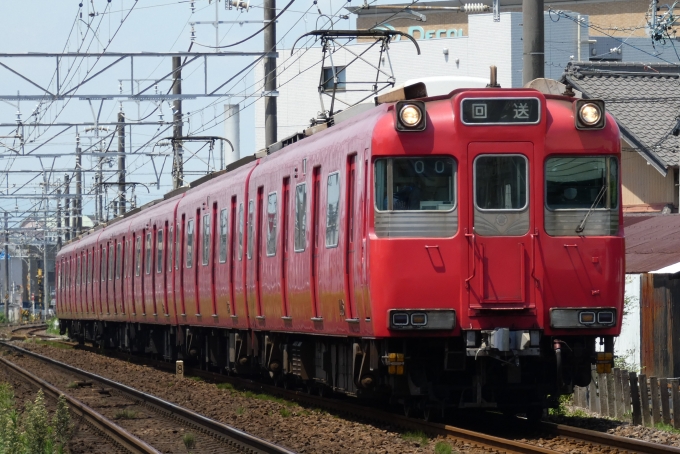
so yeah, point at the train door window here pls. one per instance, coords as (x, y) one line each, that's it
(178, 249)
(148, 253)
(332, 212)
(111, 261)
(501, 182)
(300, 216)
(223, 235)
(271, 224)
(138, 255)
(190, 243)
(169, 253)
(159, 251)
(251, 227)
(103, 264)
(206, 239)
(240, 231)
(119, 250)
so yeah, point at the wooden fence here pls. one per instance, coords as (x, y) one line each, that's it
(636, 398)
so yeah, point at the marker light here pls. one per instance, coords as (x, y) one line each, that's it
(586, 318)
(590, 114)
(410, 115)
(419, 319)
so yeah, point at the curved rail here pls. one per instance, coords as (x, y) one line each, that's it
(240, 438)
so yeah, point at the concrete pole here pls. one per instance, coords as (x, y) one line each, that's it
(178, 158)
(67, 208)
(121, 165)
(78, 202)
(533, 37)
(232, 120)
(7, 288)
(58, 219)
(270, 120)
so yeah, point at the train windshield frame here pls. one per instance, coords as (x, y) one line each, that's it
(581, 183)
(415, 184)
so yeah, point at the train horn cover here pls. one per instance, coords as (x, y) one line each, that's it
(589, 114)
(411, 116)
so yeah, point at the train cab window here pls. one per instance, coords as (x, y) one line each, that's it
(415, 184)
(251, 228)
(190, 243)
(111, 261)
(240, 231)
(300, 216)
(138, 255)
(103, 264)
(501, 182)
(223, 235)
(206, 239)
(170, 240)
(148, 253)
(272, 201)
(581, 183)
(333, 191)
(159, 251)
(119, 250)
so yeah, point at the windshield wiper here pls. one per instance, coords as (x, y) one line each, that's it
(582, 225)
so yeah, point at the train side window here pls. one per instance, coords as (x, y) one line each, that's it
(138, 255)
(190, 243)
(272, 202)
(78, 270)
(240, 231)
(300, 216)
(251, 227)
(332, 212)
(178, 249)
(169, 253)
(89, 267)
(148, 252)
(111, 261)
(223, 235)
(103, 264)
(206, 239)
(119, 250)
(159, 251)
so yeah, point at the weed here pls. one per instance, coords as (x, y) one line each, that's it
(240, 410)
(62, 421)
(225, 386)
(561, 409)
(125, 414)
(443, 447)
(577, 413)
(72, 385)
(666, 428)
(416, 437)
(195, 378)
(50, 343)
(53, 326)
(189, 440)
(285, 412)
(36, 424)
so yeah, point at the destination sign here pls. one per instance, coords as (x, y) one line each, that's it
(501, 111)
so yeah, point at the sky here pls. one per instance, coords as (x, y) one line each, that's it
(31, 26)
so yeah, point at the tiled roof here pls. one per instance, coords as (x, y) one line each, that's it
(644, 99)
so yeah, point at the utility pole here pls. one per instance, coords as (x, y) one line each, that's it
(533, 36)
(78, 202)
(178, 163)
(67, 208)
(58, 220)
(7, 292)
(120, 209)
(45, 282)
(270, 121)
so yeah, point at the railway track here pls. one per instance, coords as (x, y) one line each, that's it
(577, 439)
(163, 417)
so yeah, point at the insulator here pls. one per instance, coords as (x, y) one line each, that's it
(475, 7)
(193, 8)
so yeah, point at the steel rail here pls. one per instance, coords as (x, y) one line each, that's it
(117, 433)
(239, 438)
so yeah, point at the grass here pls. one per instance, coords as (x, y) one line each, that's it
(49, 343)
(285, 412)
(195, 378)
(269, 397)
(443, 447)
(225, 386)
(189, 440)
(125, 414)
(240, 410)
(53, 326)
(416, 437)
(667, 428)
(72, 385)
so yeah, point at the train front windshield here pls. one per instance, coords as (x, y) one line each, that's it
(403, 184)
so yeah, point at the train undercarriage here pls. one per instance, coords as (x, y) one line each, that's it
(427, 376)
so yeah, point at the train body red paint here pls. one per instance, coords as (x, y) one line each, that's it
(440, 268)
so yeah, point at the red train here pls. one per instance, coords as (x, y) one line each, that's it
(454, 251)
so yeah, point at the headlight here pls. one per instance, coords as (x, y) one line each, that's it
(410, 115)
(590, 114)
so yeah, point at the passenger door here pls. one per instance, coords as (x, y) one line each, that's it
(499, 234)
